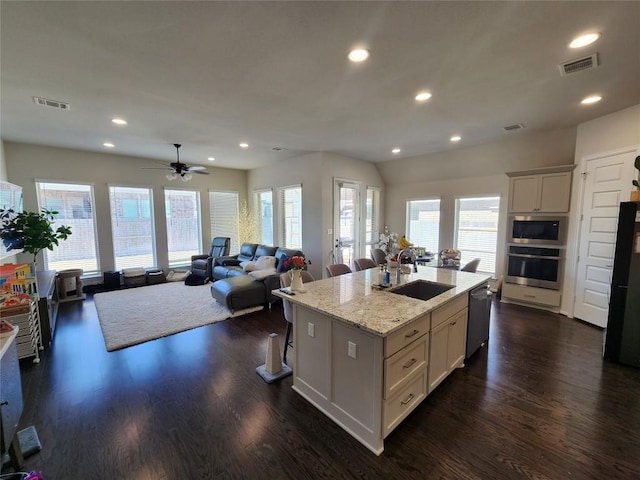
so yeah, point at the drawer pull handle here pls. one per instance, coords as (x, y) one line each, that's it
(409, 363)
(409, 335)
(408, 399)
(454, 323)
(529, 296)
(6, 402)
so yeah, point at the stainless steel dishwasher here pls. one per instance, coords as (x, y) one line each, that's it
(479, 317)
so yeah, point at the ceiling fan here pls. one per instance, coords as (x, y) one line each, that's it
(181, 170)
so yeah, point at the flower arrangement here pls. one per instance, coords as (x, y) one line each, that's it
(388, 242)
(296, 263)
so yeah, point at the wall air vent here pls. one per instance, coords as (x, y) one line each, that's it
(579, 65)
(517, 126)
(45, 102)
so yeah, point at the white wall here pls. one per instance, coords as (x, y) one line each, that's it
(27, 164)
(612, 132)
(3, 164)
(315, 172)
(479, 170)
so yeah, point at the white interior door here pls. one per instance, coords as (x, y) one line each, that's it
(347, 222)
(607, 182)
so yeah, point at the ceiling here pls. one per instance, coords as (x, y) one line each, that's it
(210, 75)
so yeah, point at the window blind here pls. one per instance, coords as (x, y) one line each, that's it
(74, 204)
(183, 225)
(477, 231)
(290, 217)
(263, 200)
(372, 221)
(132, 227)
(424, 223)
(224, 216)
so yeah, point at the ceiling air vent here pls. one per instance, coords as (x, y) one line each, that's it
(45, 102)
(517, 126)
(579, 65)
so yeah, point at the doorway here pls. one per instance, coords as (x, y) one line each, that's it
(346, 222)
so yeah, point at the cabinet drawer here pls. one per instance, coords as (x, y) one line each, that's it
(400, 405)
(400, 366)
(523, 293)
(448, 310)
(406, 335)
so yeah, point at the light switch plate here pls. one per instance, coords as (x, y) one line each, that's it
(311, 329)
(352, 350)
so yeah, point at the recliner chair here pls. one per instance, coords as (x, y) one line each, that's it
(201, 264)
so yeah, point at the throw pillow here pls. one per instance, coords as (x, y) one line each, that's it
(248, 266)
(281, 262)
(262, 274)
(266, 261)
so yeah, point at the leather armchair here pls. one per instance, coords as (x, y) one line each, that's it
(201, 264)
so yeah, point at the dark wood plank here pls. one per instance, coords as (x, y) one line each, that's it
(537, 402)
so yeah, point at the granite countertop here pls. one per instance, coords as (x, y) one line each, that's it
(354, 298)
(6, 340)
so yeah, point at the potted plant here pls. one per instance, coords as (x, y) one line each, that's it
(635, 194)
(31, 231)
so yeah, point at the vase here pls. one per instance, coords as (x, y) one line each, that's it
(296, 281)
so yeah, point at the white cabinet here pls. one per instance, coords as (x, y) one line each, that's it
(531, 295)
(448, 340)
(542, 193)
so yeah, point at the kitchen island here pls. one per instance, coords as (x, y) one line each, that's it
(366, 357)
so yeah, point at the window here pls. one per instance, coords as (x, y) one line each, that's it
(132, 227)
(263, 200)
(476, 233)
(74, 204)
(224, 217)
(290, 209)
(423, 220)
(183, 225)
(372, 221)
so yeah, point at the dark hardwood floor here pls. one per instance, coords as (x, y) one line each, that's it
(538, 402)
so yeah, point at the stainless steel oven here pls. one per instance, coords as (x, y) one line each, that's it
(539, 230)
(535, 266)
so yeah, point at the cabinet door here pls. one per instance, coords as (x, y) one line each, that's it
(10, 394)
(457, 340)
(312, 335)
(438, 355)
(555, 191)
(523, 195)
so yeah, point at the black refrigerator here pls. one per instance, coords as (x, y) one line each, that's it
(622, 338)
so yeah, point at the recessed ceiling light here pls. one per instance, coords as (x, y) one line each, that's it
(584, 40)
(591, 99)
(396, 150)
(244, 145)
(108, 145)
(211, 159)
(358, 55)
(119, 121)
(423, 96)
(456, 138)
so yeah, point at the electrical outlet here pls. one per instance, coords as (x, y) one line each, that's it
(311, 329)
(329, 231)
(352, 350)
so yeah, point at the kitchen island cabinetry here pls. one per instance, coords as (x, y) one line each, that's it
(363, 356)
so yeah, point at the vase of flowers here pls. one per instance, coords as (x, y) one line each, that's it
(388, 242)
(295, 265)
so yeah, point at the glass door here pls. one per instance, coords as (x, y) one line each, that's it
(346, 222)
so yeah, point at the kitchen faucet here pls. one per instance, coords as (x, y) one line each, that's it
(412, 255)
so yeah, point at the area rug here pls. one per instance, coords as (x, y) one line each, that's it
(136, 315)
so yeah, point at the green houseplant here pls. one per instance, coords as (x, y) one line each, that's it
(635, 194)
(31, 231)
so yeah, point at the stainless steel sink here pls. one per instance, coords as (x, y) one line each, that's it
(422, 289)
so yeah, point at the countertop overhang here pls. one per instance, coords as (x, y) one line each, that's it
(354, 298)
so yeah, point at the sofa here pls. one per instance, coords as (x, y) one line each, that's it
(201, 264)
(247, 279)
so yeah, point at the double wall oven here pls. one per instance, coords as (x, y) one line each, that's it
(535, 254)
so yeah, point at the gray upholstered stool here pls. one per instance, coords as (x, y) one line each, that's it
(239, 292)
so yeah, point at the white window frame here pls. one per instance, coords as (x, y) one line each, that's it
(485, 266)
(119, 264)
(257, 202)
(225, 223)
(72, 242)
(372, 225)
(281, 236)
(186, 258)
(412, 237)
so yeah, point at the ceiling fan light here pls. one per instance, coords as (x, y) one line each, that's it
(172, 176)
(185, 177)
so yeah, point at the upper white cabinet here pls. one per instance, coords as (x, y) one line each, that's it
(540, 191)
